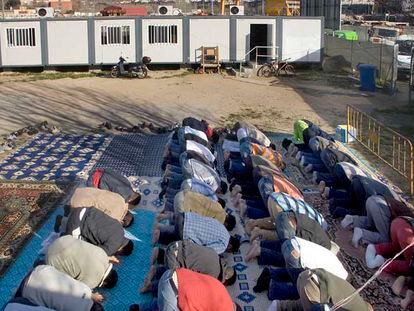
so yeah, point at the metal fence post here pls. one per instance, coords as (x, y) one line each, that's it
(380, 64)
(347, 123)
(352, 51)
(412, 173)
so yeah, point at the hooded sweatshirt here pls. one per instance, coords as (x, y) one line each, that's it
(94, 226)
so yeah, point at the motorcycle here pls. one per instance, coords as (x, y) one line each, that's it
(123, 69)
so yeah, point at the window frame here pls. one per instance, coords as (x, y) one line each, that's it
(21, 37)
(163, 34)
(112, 35)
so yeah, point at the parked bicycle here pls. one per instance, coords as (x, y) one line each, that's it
(276, 68)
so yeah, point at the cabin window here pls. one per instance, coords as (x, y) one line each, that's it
(162, 34)
(20, 37)
(115, 35)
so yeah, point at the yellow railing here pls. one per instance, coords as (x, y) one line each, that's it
(392, 148)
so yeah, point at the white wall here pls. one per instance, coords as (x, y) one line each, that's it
(109, 54)
(21, 55)
(302, 39)
(67, 42)
(163, 52)
(243, 35)
(209, 32)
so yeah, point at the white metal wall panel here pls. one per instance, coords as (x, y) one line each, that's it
(109, 54)
(243, 35)
(20, 55)
(302, 40)
(209, 32)
(167, 52)
(67, 42)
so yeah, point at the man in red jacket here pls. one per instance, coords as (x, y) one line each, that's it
(185, 290)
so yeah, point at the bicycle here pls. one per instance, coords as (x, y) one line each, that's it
(276, 68)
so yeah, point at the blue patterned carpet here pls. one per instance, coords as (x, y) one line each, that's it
(135, 154)
(131, 271)
(53, 157)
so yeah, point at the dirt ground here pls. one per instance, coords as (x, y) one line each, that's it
(168, 96)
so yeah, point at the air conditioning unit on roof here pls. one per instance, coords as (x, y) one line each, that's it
(236, 10)
(45, 12)
(165, 10)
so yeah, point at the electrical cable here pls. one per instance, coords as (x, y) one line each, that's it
(344, 301)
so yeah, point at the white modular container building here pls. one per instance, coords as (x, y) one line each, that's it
(166, 39)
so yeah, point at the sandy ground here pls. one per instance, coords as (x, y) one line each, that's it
(168, 96)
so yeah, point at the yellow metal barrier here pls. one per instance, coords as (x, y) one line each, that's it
(392, 148)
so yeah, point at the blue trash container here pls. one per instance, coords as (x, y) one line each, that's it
(367, 75)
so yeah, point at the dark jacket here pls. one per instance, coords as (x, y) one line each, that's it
(312, 131)
(371, 187)
(398, 208)
(191, 154)
(333, 289)
(112, 181)
(96, 228)
(363, 187)
(195, 124)
(310, 230)
(331, 156)
(187, 254)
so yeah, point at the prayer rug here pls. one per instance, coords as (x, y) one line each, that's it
(247, 272)
(23, 208)
(54, 157)
(132, 269)
(135, 154)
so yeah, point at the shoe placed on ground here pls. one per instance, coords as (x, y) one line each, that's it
(357, 236)
(54, 130)
(347, 221)
(32, 131)
(263, 281)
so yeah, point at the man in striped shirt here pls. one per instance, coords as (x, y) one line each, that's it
(268, 184)
(281, 202)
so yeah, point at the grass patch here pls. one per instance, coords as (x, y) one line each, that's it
(63, 75)
(178, 75)
(30, 77)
